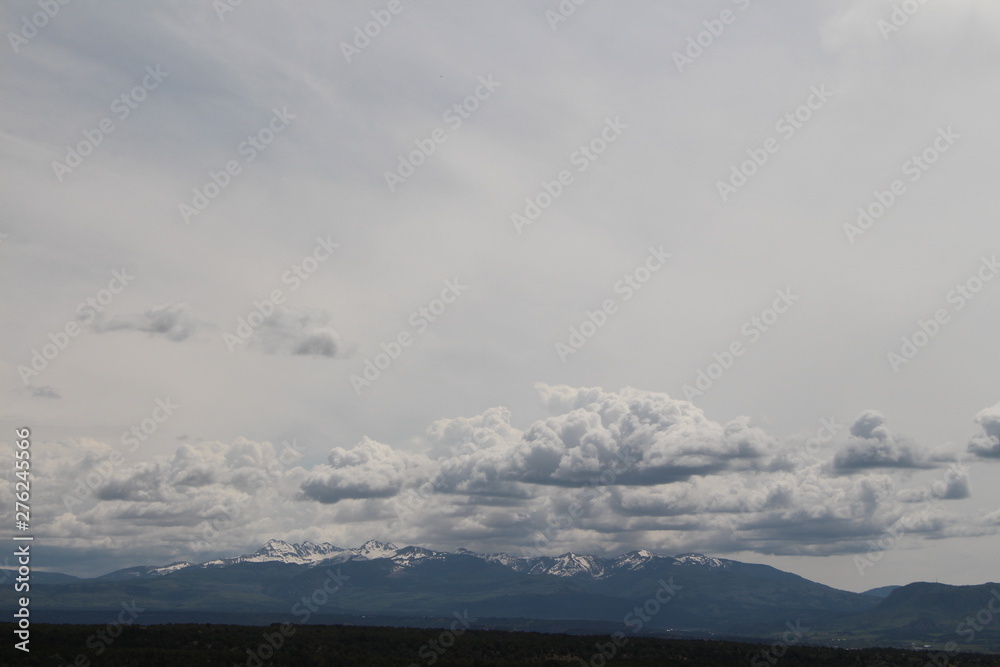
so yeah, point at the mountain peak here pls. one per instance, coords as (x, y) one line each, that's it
(275, 545)
(568, 564)
(377, 549)
(699, 559)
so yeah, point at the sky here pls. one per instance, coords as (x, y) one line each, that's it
(533, 277)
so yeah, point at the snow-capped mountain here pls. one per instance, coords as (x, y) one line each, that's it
(278, 551)
(699, 559)
(570, 565)
(595, 567)
(635, 560)
(565, 565)
(379, 580)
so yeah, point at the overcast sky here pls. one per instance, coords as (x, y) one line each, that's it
(685, 276)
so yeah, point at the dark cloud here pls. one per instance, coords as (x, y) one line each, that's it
(303, 332)
(143, 483)
(953, 485)
(873, 446)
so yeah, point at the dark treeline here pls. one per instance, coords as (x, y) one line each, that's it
(318, 646)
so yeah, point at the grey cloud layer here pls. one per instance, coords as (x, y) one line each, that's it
(609, 468)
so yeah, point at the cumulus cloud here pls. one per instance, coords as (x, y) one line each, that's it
(629, 437)
(241, 465)
(987, 443)
(170, 320)
(873, 446)
(606, 471)
(369, 470)
(298, 332)
(953, 485)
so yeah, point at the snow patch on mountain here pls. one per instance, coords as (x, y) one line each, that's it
(167, 569)
(565, 565)
(278, 551)
(700, 559)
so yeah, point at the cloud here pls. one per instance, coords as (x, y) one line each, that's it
(987, 443)
(298, 332)
(953, 486)
(240, 465)
(873, 446)
(607, 471)
(170, 320)
(45, 392)
(628, 437)
(143, 483)
(369, 470)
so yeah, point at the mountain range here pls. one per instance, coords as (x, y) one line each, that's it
(308, 553)
(640, 592)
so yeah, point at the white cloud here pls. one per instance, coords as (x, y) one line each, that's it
(369, 470)
(560, 484)
(987, 443)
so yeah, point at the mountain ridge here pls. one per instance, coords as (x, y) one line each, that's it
(568, 564)
(638, 591)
